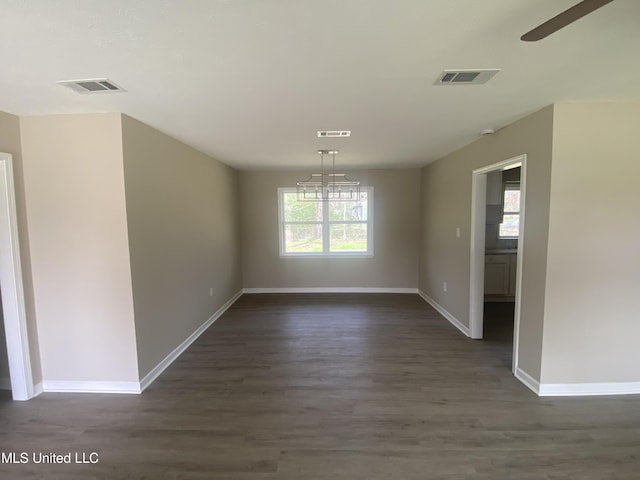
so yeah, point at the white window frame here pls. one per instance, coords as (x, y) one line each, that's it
(510, 186)
(326, 230)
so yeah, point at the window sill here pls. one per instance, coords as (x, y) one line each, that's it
(326, 255)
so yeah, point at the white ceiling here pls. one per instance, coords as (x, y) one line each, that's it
(249, 82)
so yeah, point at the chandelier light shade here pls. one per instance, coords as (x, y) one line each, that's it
(327, 184)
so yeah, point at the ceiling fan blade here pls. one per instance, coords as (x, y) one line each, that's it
(563, 19)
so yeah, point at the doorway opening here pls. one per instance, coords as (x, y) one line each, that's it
(13, 305)
(497, 272)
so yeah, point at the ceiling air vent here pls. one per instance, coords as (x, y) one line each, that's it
(466, 77)
(334, 133)
(92, 85)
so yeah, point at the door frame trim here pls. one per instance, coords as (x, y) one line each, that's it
(478, 228)
(13, 303)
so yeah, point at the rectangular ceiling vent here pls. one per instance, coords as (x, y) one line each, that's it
(92, 85)
(334, 133)
(466, 77)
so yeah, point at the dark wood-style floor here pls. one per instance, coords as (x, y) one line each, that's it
(331, 387)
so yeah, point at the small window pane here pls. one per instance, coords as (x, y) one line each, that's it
(303, 238)
(348, 238)
(511, 201)
(295, 211)
(510, 226)
(344, 211)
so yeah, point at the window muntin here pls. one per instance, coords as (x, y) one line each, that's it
(325, 227)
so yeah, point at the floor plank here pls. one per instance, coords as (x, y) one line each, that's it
(332, 386)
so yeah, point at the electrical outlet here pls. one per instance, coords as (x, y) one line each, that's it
(457, 232)
(444, 286)
(211, 292)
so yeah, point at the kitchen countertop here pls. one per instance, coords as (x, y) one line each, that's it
(501, 251)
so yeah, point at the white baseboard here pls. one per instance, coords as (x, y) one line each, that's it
(169, 359)
(528, 380)
(131, 387)
(5, 384)
(330, 290)
(442, 311)
(576, 389)
(37, 389)
(90, 387)
(584, 389)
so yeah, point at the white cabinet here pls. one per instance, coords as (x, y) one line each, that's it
(500, 274)
(496, 274)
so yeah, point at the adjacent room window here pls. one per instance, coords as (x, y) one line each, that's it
(510, 226)
(315, 228)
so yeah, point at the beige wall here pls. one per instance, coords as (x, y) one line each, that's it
(75, 203)
(10, 142)
(396, 217)
(592, 310)
(182, 212)
(446, 205)
(92, 259)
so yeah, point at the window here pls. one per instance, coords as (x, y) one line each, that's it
(325, 227)
(510, 226)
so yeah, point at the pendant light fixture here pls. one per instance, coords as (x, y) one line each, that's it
(328, 185)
